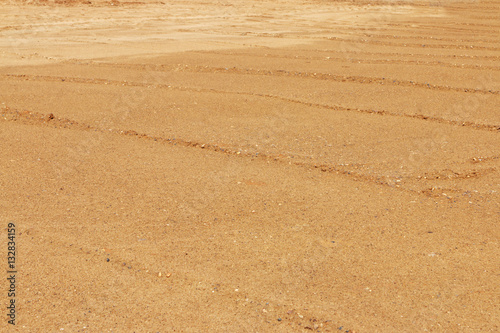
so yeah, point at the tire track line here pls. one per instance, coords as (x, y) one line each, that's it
(285, 73)
(374, 42)
(32, 118)
(49, 120)
(414, 45)
(454, 56)
(431, 38)
(485, 127)
(327, 77)
(360, 60)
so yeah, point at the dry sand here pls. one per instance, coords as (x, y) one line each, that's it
(251, 166)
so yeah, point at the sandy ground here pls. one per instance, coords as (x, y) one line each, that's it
(251, 166)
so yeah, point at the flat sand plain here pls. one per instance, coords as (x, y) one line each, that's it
(252, 166)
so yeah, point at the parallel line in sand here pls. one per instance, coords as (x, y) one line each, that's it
(457, 26)
(485, 127)
(363, 40)
(44, 120)
(375, 42)
(358, 60)
(295, 74)
(385, 54)
(280, 72)
(431, 38)
(348, 58)
(424, 29)
(431, 46)
(390, 32)
(387, 31)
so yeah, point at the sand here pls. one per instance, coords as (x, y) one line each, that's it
(251, 166)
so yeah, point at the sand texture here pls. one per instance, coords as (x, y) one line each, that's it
(251, 166)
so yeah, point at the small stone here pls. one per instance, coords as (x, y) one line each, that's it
(107, 259)
(279, 319)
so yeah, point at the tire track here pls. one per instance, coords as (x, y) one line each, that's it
(374, 42)
(414, 45)
(285, 73)
(329, 52)
(370, 41)
(485, 127)
(431, 38)
(49, 120)
(391, 34)
(321, 76)
(360, 60)
(454, 56)
(457, 26)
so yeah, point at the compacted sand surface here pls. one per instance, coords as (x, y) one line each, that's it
(251, 166)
